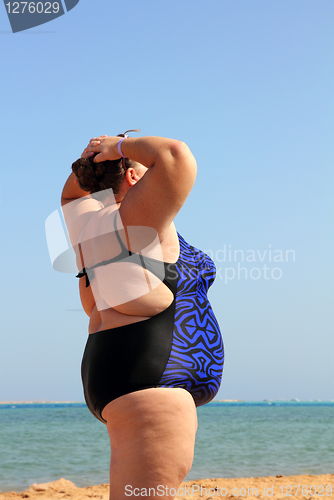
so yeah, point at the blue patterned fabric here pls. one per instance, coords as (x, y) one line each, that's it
(197, 354)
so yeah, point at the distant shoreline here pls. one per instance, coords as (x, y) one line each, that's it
(40, 402)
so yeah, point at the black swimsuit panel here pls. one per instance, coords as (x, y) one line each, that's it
(179, 347)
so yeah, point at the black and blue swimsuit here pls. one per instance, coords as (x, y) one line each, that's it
(179, 347)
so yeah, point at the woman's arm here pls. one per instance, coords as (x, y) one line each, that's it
(158, 196)
(72, 190)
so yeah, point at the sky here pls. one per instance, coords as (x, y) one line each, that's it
(248, 85)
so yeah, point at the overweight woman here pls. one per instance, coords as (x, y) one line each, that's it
(154, 350)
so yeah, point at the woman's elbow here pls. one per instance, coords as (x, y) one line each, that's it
(182, 155)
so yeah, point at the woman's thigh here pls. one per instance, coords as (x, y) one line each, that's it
(152, 437)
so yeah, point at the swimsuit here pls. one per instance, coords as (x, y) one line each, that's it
(179, 347)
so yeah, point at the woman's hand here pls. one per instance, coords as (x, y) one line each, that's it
(104, 146)
(93, 142)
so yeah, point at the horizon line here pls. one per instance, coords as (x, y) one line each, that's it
(292, 400)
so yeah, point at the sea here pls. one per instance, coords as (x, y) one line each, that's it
(42, 442)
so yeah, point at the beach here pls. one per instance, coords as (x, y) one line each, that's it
(303, 487)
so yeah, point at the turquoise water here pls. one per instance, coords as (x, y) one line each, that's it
(43, 442)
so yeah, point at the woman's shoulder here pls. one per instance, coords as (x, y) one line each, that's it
(82, 214)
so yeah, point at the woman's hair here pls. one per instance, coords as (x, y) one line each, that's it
(95, 177)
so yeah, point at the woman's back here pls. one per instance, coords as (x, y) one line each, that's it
(118, 261)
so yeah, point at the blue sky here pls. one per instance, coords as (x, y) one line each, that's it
(248, 85)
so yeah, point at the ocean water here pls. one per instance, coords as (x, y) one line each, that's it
(43, 442)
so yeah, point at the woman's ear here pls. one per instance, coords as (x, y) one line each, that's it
(132, 176)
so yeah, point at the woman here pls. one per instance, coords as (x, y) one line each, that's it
(154, 350)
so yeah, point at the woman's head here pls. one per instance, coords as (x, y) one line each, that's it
(94, 177)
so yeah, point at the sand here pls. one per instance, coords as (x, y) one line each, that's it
(264, 488)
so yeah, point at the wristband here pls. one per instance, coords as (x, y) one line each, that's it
(119, 149)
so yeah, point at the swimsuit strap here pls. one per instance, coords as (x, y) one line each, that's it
(124, 249)
(148, 263)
